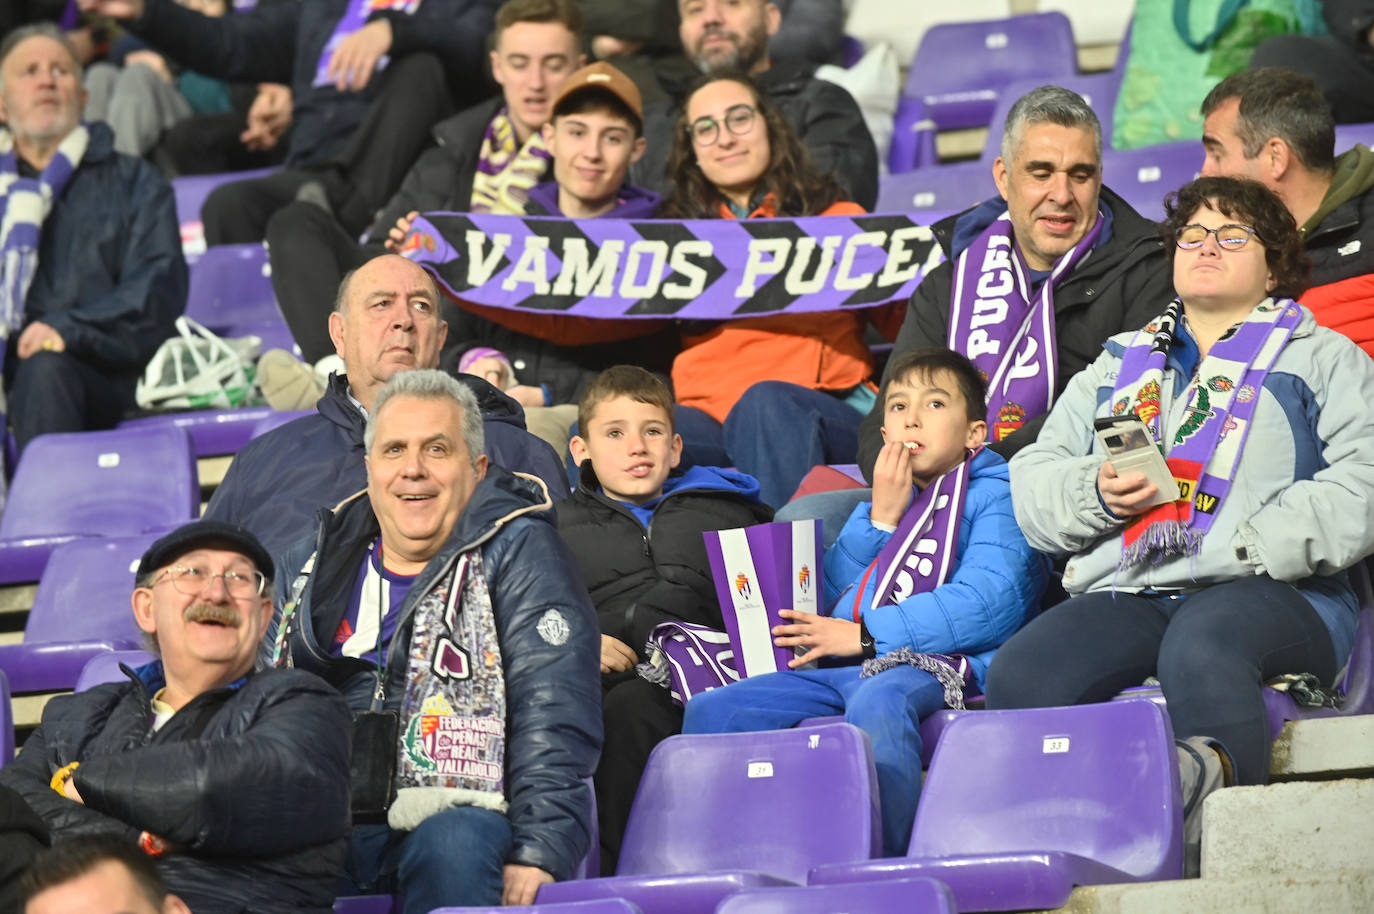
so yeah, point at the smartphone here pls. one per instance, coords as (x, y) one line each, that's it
(1132, 449)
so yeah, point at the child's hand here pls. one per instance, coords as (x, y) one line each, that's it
(616, 655)
(822, 636)
(1124, 496)
(891, 484)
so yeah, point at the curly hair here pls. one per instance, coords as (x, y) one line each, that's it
(800, 190)
(1251, 201)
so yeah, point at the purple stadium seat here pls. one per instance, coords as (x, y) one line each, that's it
(190, 192)
(935, 191)
(81, 610)
(1143, 176)
(111, 483)
(851, 51)
(1347, 135)
(1021, 806)
(278, 419)
(367, 904)
(960, 70)
(595, 906)
(103, 668)
(910, 896)
(214, 432)
(717, 813)
(6, 723)
(932, 728)
(231, 287)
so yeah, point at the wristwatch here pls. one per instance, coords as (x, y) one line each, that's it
(866, 646)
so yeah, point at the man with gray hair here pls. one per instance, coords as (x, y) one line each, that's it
(1037, 278)
(91, 273)
(452, 619)
(1273, 125)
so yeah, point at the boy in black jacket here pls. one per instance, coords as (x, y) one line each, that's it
(636, 535)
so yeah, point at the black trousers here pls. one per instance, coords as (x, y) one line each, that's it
(1344, 74)
(362, 177)
(57, 392)
(208, 144)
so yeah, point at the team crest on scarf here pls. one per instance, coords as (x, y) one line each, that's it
(438, 742)
(804, 578)
(1009, 418)
(742, 586)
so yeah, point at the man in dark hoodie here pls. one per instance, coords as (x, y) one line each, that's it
(1273, 125)
(1038, 278)
(386, 321)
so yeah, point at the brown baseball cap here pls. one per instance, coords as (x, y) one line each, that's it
(603, 76)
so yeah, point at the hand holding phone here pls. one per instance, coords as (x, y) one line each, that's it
(1131, 449)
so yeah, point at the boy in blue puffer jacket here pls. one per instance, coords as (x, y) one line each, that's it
(922, 585)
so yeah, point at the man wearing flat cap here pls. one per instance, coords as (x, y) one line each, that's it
(235, 781)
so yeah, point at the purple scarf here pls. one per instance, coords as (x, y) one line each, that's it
(1009, 337)
(353, 19)
(688, 659)
(1220, 400)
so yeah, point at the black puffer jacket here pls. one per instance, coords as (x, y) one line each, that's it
(640, 577)
(1120, 286)
(825, 116)
(553, 696)
(258, 799)
(282, 43)
(278, 482)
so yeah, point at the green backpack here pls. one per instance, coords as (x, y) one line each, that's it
(1169, 70)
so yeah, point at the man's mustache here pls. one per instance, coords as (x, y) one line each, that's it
(219, 615)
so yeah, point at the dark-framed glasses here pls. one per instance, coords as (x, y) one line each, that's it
(1230, 237)
(192, 580)
(739, 120)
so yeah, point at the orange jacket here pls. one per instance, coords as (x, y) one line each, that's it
(821, 350)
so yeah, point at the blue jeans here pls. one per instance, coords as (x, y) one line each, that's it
(778, 431)
(454, 859)
(1211, 650)
(833, 508)
(888, 707)
(57, 392)
(702, 443)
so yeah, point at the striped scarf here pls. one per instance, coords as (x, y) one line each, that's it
(507, 171)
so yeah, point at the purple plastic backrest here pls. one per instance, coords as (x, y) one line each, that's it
(1100, 781)
(190, 191)
(909, 896)
(777, 802)
(936, 191)
(6, 722)
(109, 483)
(103, 668)
(366, 904)
(593, 906)
(84, 591)
(278, 419)
(960, 68)
(213, 432)
(231, 288)
(1347, 135)
(1144, 176)
(1099, 90)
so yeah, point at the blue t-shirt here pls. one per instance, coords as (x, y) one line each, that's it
(376, 593)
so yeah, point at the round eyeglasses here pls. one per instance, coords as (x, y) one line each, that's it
(192, 580)
(739, 119)
(1230, 237)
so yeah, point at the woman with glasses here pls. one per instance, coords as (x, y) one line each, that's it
(1240, 575)
(734, 156)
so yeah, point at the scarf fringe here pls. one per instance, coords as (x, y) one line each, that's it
(938, 665)
(1161, 542)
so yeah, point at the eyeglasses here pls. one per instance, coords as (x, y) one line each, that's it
(1230, 237)
(192, 580)
(739, 120)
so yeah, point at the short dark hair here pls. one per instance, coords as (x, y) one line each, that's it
(623, 381)
(927, 360)
(70, 860)
(1242, 198)
(594, 99)
(564, 12)
(1283, 103)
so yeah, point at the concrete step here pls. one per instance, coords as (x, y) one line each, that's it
(1337, 893)
(1323, 749)
(1301, 829)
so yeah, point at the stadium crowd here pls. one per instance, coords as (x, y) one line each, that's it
(415, 624)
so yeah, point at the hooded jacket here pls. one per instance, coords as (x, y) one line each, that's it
(995, 586)
(553, 696)
(1121, 285)
(111, 279)
(1342, 292)
(640, 576)
(250, 781)
(1297, 508)
(280, 480)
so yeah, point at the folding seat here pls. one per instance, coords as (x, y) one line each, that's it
(276, 419)
(1144, 176)
(960, 70)
(105, 667)
(110, 483)
(1020, 806)
(81, 610)
(6, 723)
(190, 192)
(910, 896)
(367, 904)
(716, 813)
(1347, 135)
(933, 192)
(214, 432)
(594, 906)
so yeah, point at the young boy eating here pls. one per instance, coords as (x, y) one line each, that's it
(924, 621)
(636, 533)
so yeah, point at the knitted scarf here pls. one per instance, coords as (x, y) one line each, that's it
(1219, 402)
(353, 19)
(1010, 337)
(507, 171)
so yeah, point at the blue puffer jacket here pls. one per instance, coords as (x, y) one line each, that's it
(111, 279)
(249, 780)
(553, 691)
(278, 482)
(994, 588)
(282, 43)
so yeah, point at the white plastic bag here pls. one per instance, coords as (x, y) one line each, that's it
(198, 370)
